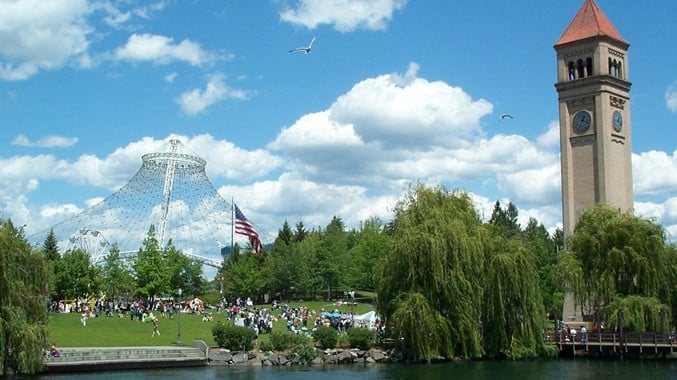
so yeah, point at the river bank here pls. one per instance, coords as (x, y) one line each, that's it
(224, 357)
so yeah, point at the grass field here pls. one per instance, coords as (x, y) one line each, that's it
(68, 331)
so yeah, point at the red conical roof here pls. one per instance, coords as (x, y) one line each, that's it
(590, 21)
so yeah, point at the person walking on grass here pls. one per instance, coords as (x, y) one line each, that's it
(156, 329)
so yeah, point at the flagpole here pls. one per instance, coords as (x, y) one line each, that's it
(232, 223)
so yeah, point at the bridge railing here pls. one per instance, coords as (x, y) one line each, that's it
(614, 338)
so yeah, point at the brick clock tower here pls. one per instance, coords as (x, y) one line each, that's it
(594, 120)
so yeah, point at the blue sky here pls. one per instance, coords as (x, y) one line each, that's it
(393, 91)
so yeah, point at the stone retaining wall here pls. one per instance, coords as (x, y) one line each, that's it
(222, 356)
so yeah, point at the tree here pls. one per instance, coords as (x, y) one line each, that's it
(23, 313)
(505, 220)
(614, 254)
(333, 254)
(152, 276)
(436, 250)
(369, 250)
(116, 276)
(183, 272)
(284, 265)
(50, 247)
(512, 313)
(284, 234)
(244, 277)
(545, 249)
(300, 232)
(479, 286)
(75, 277)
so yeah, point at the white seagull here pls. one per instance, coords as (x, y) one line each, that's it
(306, 49)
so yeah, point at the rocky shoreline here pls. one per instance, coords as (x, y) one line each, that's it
(222, 356)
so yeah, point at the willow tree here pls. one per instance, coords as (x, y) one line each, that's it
(436, 261)
(23, 313)
(614, 254)
(512, 317)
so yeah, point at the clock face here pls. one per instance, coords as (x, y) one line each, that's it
(618, 121)
(582, 121)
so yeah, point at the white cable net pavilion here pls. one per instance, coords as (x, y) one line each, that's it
(170, 191)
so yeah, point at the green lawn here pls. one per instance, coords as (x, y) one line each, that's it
(68, 331)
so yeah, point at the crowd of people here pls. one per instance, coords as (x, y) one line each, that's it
(242, 311)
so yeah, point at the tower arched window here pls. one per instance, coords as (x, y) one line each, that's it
(619, 68)
(572, 70)
(580, 69)
(615, 68)
(588, 67)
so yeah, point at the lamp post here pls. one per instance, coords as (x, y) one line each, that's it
(178, 336)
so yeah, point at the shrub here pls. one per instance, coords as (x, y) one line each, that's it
(325, 337)
(233, 337)
(266, 345)
(305, 352)
(284, 340)
(361, 337)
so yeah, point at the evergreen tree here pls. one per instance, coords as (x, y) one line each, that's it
(300, 232)
(284, 234)
(50, 247)
(23, 313)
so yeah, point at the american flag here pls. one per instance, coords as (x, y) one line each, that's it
(243, 227)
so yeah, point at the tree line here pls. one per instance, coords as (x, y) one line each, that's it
(446, 282)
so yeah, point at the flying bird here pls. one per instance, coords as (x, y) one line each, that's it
(506, 116)
(306, 49)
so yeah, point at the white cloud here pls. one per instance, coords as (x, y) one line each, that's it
(671, 97)
(550, 139)
(195, 101)
(46, 142)
(170, 77)
(344, 15)
(162, 50)
(41, 35)
(650, 173)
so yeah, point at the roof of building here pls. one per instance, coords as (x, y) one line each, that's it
(590, 21)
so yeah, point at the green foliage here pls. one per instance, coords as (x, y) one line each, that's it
(75, 277)
(436, 261)
(361, 337)
(50, 247)
(116, 275)
(513, 308)
(244, 275)
(283, 340)
(151, 277)
(266, 345)
(235, 338)
(614, 254)
(640, 314)
(325, 337)
(305, 353)
(424, 330)
(23, 315)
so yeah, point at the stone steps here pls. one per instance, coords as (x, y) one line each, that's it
(97, 358)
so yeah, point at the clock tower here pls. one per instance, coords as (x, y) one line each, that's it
(594, 122)
(594, 115)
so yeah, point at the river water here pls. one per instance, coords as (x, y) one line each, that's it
(579, 369)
